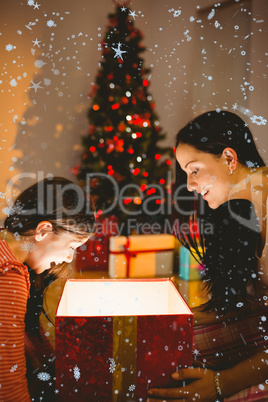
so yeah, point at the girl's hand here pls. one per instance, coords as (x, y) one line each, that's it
(201, 389)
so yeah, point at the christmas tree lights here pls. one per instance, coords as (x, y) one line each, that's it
(124, 132)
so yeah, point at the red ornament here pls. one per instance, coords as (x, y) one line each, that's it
(143, 187)
(157, 156)
(92, 149)
(136, 171)
(115, 106)
(162, 181)
(130, 150)
(145, 83)
(168, 162)
(110, 76)
(75, 169)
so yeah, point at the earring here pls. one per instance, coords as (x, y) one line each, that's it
(231, 171)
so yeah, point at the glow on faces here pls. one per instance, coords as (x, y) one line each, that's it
(51, 248)
(207, 174)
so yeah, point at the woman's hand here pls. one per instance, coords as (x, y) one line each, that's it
(201, 389)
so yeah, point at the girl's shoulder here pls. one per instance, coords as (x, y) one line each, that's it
(9, 262)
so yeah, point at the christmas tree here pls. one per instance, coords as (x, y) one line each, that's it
(128, 170)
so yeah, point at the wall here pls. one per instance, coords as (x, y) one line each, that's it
(50, 54)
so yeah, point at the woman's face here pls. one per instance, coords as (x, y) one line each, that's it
(54, 248)
(207, 174)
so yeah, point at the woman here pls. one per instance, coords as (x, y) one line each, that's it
(218, 161)
(48, 221)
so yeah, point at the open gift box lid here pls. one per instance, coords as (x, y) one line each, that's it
(121, 297)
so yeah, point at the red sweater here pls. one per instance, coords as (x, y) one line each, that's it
(14, 292)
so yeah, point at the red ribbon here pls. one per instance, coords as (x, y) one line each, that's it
(130, 254)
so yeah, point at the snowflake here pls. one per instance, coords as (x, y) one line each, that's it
(250, 164)
(177, 13)
(196, 352)
(47, 82)
(77, 373)
(235, 106)
(56, 391)
(251, 88)
(118, 51)
(17, 236)
(30, 2)
(8, 211)
(14, 368)
(33, 51)
(132, 14)
(217, 24)
(13, 83)
(28, 246)
(112, 365)
(51, 23)
(35, 86)
(2, 195)
(240, 304)
(131, 387)
(263, 318)
(39, 63)
(10, 47)
(36, 42)
(83, 247)
(259, 120)
(43, 376)
(211, 14)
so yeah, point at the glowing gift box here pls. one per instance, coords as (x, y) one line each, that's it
(115, 339)
(189, 268)
(141, 256)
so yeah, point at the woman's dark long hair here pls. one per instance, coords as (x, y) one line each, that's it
(66, 206)
(210, 132)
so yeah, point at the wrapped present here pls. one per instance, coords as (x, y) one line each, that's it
(189, 268)
(141, 256)
(93, 255)
(115, 339)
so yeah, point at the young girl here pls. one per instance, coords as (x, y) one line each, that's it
(219, 162)
(47, 223)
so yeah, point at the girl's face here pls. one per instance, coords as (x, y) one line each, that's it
(207, 174)
(52, 249)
